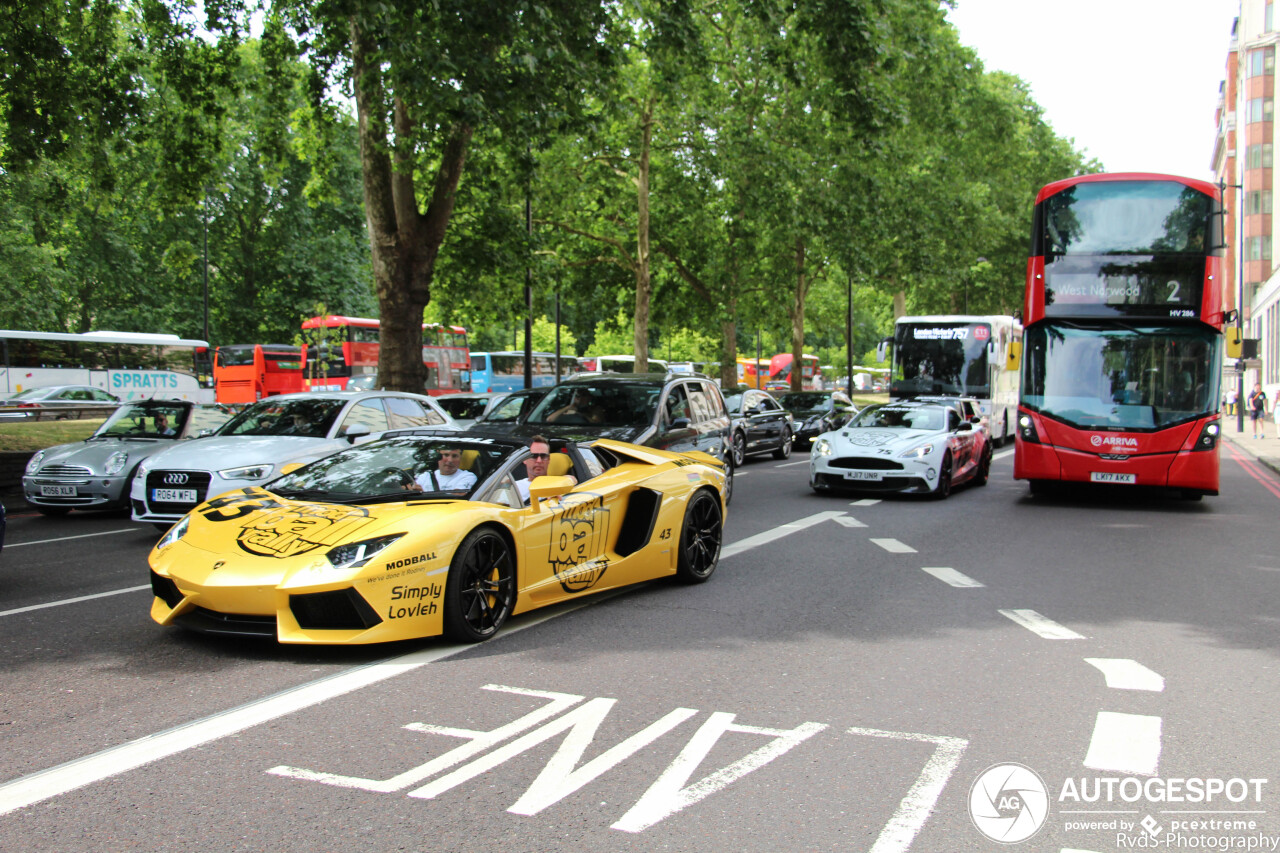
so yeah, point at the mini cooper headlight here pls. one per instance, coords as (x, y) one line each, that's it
(174, 533)
(918, 452)
(353, 555)
(33, 464)
(822, 447)
(247, 472)
(115, 463)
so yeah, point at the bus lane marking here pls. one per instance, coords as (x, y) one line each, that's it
(893, 546)
(1125, 743)
(1041, 625)
(950, 576)
(1124, 674)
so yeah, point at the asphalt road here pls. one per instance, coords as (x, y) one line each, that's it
(842, 683)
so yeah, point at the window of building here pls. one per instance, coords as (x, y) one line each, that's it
(1259, 109)
(1258, 156)
(1258, 201)
(1261, 61)
(1258, 249)
(1268, 23)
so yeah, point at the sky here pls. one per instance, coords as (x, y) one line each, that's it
(1133, 82)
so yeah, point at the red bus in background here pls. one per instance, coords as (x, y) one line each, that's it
(343, 348)
(1123, 338)
(780, 370)
(245, 373)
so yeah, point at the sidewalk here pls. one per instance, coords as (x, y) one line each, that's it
(1265, 450)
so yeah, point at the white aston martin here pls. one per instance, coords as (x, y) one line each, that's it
(913, 447)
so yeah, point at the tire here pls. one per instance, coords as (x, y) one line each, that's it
(700, 538)
(480, 592)
(739, 448)
(1004, 430)
(783, 450)
(729, 468)
(944, 478)
(52, 511)
(984, 467)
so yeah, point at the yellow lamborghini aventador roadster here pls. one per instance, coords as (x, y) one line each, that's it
(390, 541)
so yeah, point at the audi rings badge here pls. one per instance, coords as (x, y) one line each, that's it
(175, 479)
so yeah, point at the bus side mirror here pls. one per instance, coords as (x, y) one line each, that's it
(1014, 359)
(1235, 343)
(882, 349)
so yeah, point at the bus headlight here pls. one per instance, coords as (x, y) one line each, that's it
(1027, 429)
(1208, 439)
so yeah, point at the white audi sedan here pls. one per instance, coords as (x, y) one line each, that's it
(911, 447)
(251, 448)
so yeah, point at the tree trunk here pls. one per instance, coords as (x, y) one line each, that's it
(797, 321)
(644, 283)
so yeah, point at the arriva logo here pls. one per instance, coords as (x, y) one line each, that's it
(1114, 441)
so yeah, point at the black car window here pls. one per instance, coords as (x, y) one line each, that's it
(676, 405)
(703, 411)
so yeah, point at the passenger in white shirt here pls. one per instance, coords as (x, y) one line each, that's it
(448, 477)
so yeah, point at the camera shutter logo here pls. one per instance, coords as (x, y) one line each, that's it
(1008, 803)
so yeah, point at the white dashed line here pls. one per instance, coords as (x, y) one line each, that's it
(893, 546)
(866, 502)
(1125, 743)
(76, 600)
(1124, 674)
(951, 576)
(776, 533)
(80, 536)
(848, 521)
(1040, 625)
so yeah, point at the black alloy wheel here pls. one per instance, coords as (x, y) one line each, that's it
(984, 467)
(783, 450)
(481, 590)
(944, 478)
(700, 538)
(739, 449)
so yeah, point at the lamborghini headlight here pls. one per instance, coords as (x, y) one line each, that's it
(174, 533)
(33, 464)
(822, 447)
(918, 452)
(115, 463)
(353, 555)
(247, 472)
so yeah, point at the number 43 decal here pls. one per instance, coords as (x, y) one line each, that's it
(665, 534)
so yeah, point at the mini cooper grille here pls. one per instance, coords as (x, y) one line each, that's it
(198, 480)
(78, 471)
(866, 463)
(340, 609)
(165, 590)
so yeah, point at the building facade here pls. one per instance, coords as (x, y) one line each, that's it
(1244, 160)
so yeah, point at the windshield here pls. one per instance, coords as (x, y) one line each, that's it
(145, 420)
(931, 418)
(606, 403)
(940, 358)
(805, 401)
(1136, 378)
(402, 468)
(467, 408)
(311, 418)
(32, 394)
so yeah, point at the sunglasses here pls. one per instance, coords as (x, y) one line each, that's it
(539, 455)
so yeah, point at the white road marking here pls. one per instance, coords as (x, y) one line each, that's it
(777, 533)
(80, 772)
(28, 609)
(866, 502)
(951, 576)
(69, 538)
(1124, 674)
(893, 546)
(1126, 743)
(848, 521)
(789, 464)
(1002, 454)
(1041, 625)
(917, 805)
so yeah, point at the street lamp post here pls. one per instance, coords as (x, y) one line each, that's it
(1223, 186)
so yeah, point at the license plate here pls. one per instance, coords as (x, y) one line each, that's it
(864, 475)
(58, 491)
(1112, 477)
(174, 496)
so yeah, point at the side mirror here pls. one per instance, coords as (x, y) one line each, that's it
(1014, 359)
(882, 349)
(355, 431)
(1235, 343)
(548, 487)
(964, 426)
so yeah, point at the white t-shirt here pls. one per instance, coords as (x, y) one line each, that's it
(434, 481)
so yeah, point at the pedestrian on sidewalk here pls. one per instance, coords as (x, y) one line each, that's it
(1232, 396)
(1257, 403)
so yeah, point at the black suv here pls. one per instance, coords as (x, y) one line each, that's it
(672, 411)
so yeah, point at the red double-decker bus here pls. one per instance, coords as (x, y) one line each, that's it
(245, 373)
(345, 349)
(1123, 338)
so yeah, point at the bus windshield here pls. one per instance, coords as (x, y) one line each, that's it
(1134, 378)
(940, 358)
(1127, 217)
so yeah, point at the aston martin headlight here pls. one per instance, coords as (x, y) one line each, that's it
(353, 555)
(175, 533)
(822, 447)
(918, 452)
(33, 464)
(247, 472)
(115, 463)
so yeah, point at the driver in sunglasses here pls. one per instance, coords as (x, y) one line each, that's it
(535, 465)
